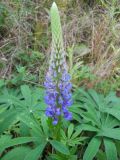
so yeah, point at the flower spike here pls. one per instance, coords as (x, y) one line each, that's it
(57, 83)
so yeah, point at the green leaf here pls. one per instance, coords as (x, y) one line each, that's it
(110, 149)
(110, 133)
(92, 149)
(109, 121)
(63, 134)
(24, 129)
(76, 133)
(44, 124)
(31, 123)
(9, 100)
(114, 112)
(76, 141)
(9, 118)
(26, 94)
(35, 153)
(12, 142)
(18, 153)
(87, 127)
(75, 116)
(70, 130)
(60, 147)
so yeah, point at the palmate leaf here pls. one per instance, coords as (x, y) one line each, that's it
(76, 141)
(25, 153)
(76, 108)
(91, 116)
(38, 98)
(8, 98)
(98, 99)
(70, 130)
(88, 127)
(112, 99)
(35, 153)
(80, 92)
(17, 153)
(60, 147)
(90, 98)
(6, 119)
(12, 142)
(89, 107)
(76, 116)
(109, 121)
(33, 99)
(10, 101)
(32, 123)
(110, 149)
(114, 112)
(36, 128)
(76, 133)
(63, 134)
(72, 137)
(110, 133)
(26, 92)
(92, 148)
(101, 116)
(24, 129)
(45, 125)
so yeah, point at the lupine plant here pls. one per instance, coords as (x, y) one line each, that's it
(55, 124)
(48, 126)
(58, 86)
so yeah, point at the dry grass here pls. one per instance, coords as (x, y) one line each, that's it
(27, 30)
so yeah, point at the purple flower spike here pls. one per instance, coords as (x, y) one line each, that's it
(58, 97)
(57, 83)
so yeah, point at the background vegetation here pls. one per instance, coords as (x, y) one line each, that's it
(91, 34)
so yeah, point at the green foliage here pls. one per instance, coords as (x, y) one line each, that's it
(23, 108)
(17, 153)
(110, 149)
(92, 148)
(60, 147)
(100, 117)
(96, 120)
(72, 137)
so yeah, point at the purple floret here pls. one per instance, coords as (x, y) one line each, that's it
(58, 96)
